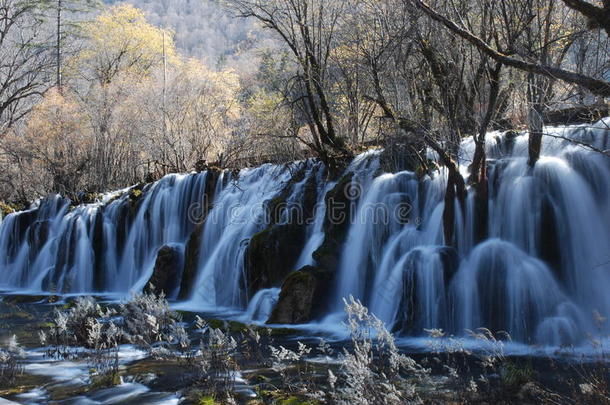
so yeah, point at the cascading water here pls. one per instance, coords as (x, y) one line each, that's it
(542, 273)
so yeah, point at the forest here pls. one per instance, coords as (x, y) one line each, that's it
(96, 98)
(304, 202)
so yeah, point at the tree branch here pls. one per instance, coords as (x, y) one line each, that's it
(595, 86)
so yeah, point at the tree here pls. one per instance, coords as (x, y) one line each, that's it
(53, 153)
(121, 41)
(597, 16)
(64, 29)
(599, 87)
(200, 113)
(308, 28)
(25, 58)
(120, 52)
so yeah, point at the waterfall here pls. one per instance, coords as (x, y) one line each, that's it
(542, 273)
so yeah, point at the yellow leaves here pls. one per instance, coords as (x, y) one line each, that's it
(121, 41)
(56, 117)
(264, 105)
(57, 134)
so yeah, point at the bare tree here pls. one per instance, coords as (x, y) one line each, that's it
(25, 59)
(597, 16)
(596, 86)
(308, 28)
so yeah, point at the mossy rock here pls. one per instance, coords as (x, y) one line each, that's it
(135, 193)
(193, 245)
(191, 260)
(6, 209)
(90, 198)
(24, 299)
(335, 231)
(271, 255)
(277, 397)
(167, 269)
(272, 252)
(299, 296)
(207, 400)
(228, 326)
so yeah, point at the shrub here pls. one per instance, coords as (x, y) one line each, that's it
(10, 366)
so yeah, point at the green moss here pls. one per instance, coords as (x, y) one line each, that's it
(515, 374)
(281, 398)
(228, 326)
(24, 382)
(6, 209)
(207, 400)
(293, 400)
(105, 381)
(135, 194)
(89, 198)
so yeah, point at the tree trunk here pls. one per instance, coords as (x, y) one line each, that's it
(58, 55)
(478, 169)
(534, 121)
(456, 189)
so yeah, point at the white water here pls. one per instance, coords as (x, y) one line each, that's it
(542, 274)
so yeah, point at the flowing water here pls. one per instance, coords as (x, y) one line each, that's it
(542, 274)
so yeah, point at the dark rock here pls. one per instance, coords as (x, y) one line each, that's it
(550, 244)
(451, 261)
(37, 236)
(97, 243)
(201, 165)
(135, 198)
(272, 254)
(304, 294)
(409, 320)
(191, 260)
(300, 291)
(167, 270)
(191, 254)
(339, 206)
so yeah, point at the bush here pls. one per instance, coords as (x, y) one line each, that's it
(10, 367)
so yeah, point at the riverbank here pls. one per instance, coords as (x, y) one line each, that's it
(260, 365)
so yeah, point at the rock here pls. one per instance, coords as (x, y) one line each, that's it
(97, 242)
(201, 165)
(191, 260)
(451, 261)
(533, 393)
(167, 270)
(550, 240)
(410, 320)
(304, 293)
(299, 292)
(336, 224)
(193, 245)
(272, 254)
